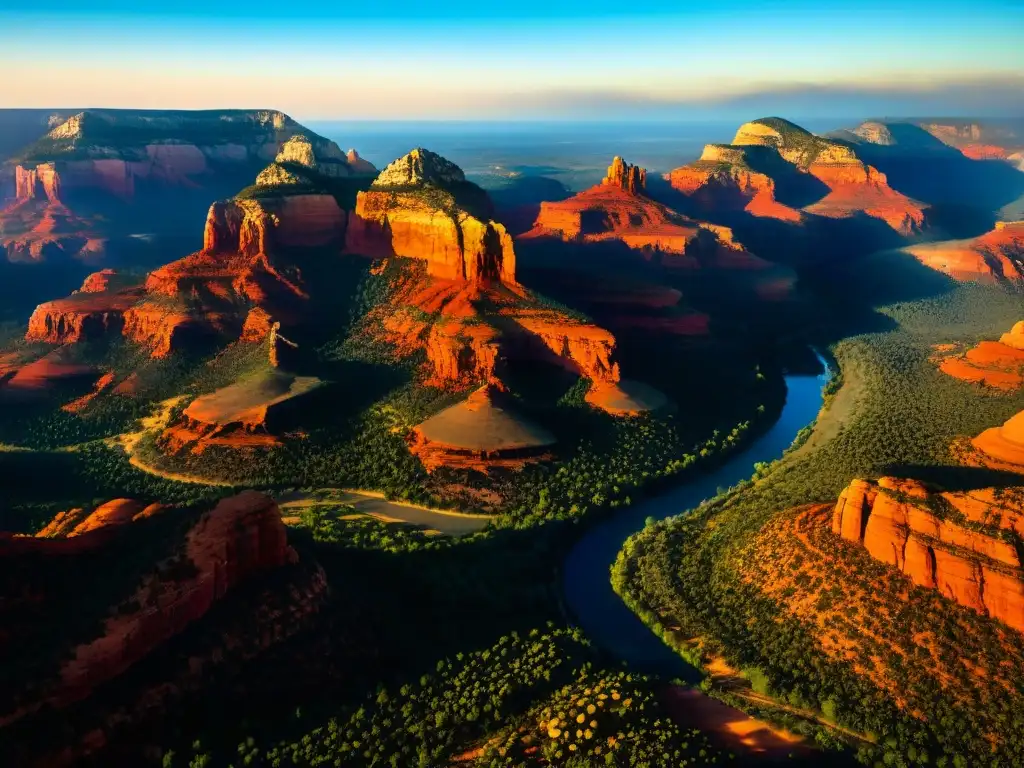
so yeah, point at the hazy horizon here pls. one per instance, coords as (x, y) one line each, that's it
(533, 60)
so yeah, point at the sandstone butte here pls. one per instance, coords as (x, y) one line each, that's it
(467, 310)
(966, 553)
(769, 152)
(998, 364)
(247, 414)
(239, 539)
(996, 257)
(1000, 447)
(482, 432)
(618, 209)
(114, 152)
(413, 210)
(240, 269)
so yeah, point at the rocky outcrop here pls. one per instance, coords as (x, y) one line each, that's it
(39, 183)
(722, 180)
(997, 257)
(746, 174)
(251, 227)
(247, 414)
(1014, 338)
(419, 168)
(997, 364)
(617, 210)
(125, 153)
(481, 433)
(239, 539)
(1002, 447)
(359, 165)
(951, 542)
(414, 210)
(630, 178)
(83, 315)
(585, 348)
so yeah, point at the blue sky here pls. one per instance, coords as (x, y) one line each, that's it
(519, 60)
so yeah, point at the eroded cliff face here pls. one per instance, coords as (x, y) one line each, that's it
(997, 257)
(251, 227)
(742, 176)
(630, 178)
(207, 294)
(412, 211)
(961, 554)
(721, 180)
(94, 311)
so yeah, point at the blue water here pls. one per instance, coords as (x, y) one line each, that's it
(598, 611)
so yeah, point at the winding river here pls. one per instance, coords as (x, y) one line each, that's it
(598, 611)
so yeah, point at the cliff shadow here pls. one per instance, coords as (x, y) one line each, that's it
(956, 478)
(922, 167)
(517, 203)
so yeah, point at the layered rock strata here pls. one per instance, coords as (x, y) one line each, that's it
(745, 175)
(996, 257)
(413, 210)
(961, 552)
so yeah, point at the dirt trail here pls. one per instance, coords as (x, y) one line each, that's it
(365, 502)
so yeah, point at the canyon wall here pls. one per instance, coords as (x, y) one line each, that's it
(961, 553)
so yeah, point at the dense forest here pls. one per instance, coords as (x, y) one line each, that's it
(735, 573)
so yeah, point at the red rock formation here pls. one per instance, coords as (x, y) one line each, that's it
(40, 373)
(257, 326)
(998, 364)
(856, 187)
(960, 554)
(101, 385)
(250, 227)
(482, 433)
(721, 181)
(358, 164)
(411, 212)
(41, 182)
(616, 210)
(739, 177)
(83, 315)
(116, 512)
(208, 293)
(630, 178)
(1001, 447)
(993, 258)
(240, 538)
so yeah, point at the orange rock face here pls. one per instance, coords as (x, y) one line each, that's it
(855, 188)
(896, 521)
(209, 293)
(744, 175)
(617, 210)
(998, 364)
(631, 178)
(412, 210)
(1002, 447)
(387, 224)
(717, 183)
(83, 315)
(993, 258)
